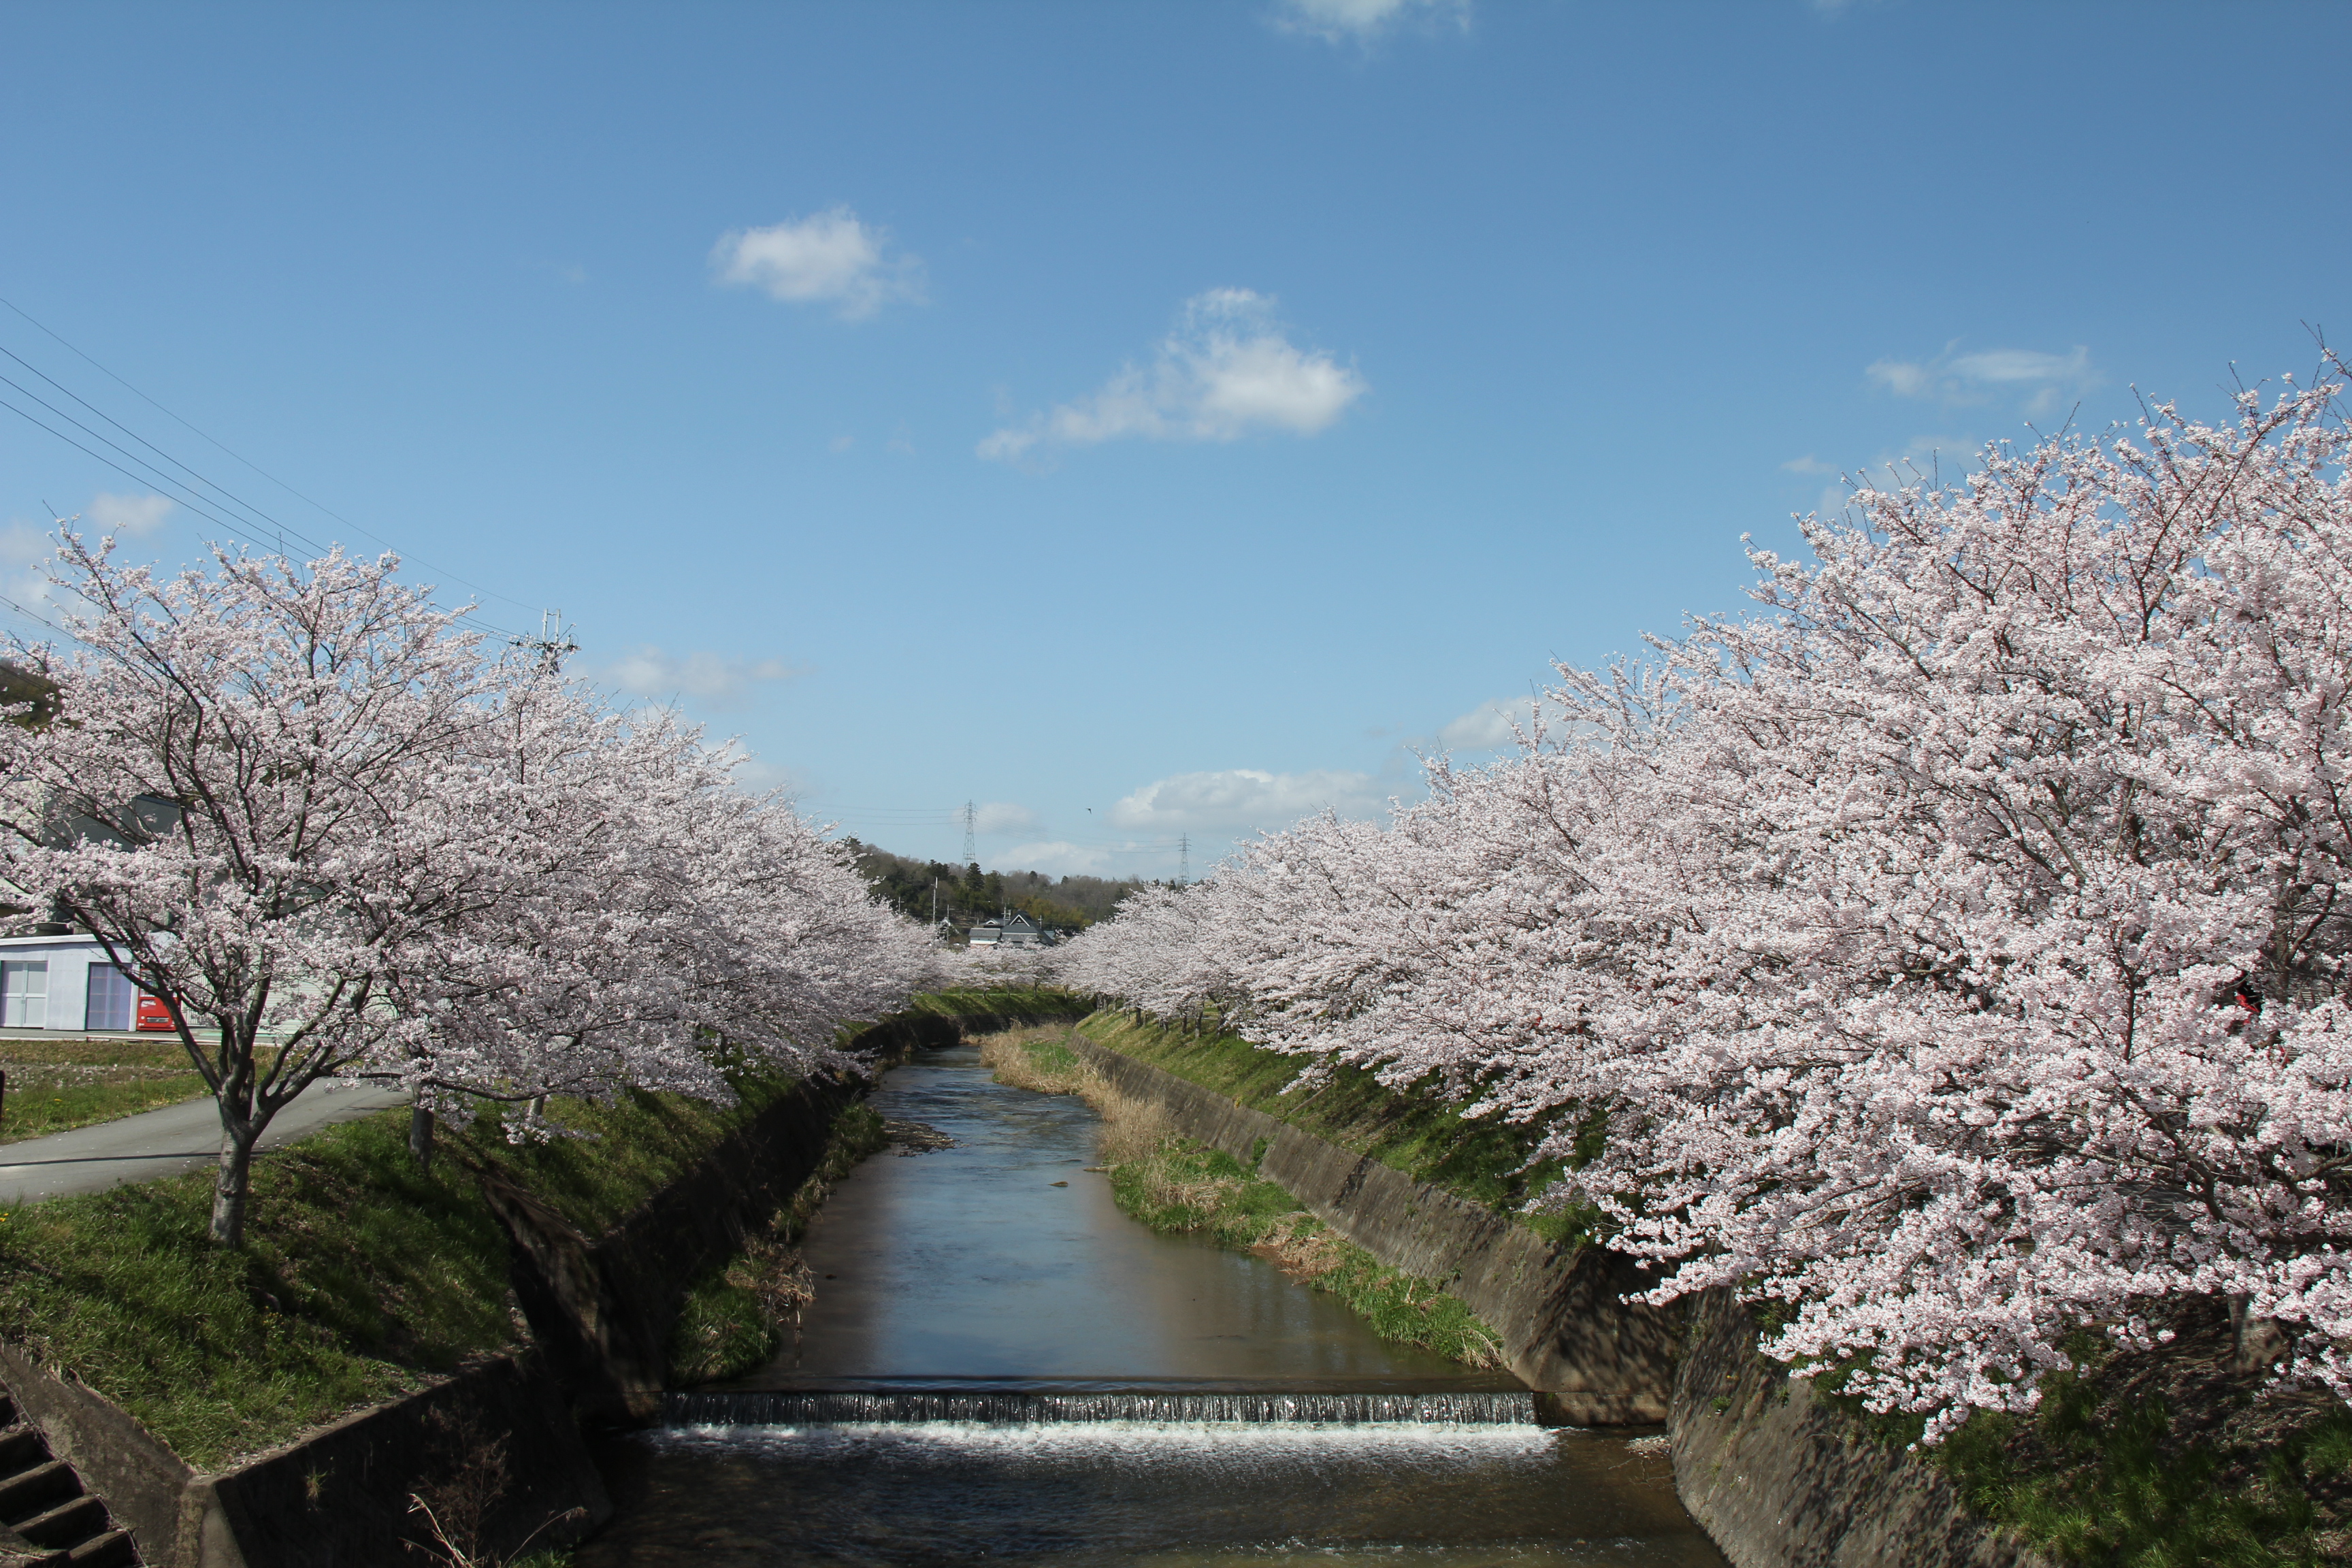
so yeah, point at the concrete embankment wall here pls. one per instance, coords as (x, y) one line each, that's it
(1778, 1478)
(599, 1310)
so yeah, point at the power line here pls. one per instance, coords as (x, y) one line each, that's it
(234, 498)
(235, 530)
(248, 462)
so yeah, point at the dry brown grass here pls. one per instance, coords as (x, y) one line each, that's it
(1036, 1059)
(1300, 1247)
(1133, 1131)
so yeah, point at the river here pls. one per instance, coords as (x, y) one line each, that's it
(1000, 1366)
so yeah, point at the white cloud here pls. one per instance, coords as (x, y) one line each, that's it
(1488, 726)
(1485, 728)
(1243, 798)
(137, 516)
(25, 555)
(1808, 464)
(1976, 378)
(1225, 370)
(830, 258)
(756, 776)
(1004, 816)
(1360, 21)
(1061, 859)
(711, 679)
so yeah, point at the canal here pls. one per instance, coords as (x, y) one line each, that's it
(998, 1366)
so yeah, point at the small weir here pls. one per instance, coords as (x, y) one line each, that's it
(1001, 1367)
(788, 1409)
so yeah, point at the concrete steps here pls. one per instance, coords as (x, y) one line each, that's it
(50, 1520)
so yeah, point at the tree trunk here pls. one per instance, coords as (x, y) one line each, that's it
(231, 1187)
(420, 1136)
(2257, 1344)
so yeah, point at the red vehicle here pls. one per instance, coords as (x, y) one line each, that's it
(153, 1017)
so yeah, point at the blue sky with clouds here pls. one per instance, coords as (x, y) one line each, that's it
(1139, 419)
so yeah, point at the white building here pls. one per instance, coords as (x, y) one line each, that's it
(1011, 928)
(67, 983)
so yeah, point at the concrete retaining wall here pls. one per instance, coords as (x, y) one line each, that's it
(1779, 1479)
(339, 1498)
(1566, 1332)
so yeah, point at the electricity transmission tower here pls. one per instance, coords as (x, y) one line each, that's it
(970, 843)
(552, 643)
(1184, 858)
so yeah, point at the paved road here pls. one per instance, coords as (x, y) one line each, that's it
(165, 1143)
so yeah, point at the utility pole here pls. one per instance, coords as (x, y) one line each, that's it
(552, 642)
(970, 843)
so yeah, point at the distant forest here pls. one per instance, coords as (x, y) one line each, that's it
(967, 895)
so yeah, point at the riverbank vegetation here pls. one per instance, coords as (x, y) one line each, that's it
(1413, 1128)
(364, 1276)
(1176, 1184)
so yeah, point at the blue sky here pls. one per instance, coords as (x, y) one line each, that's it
(1139, 419)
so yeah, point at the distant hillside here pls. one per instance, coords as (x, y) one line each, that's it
(967, 894)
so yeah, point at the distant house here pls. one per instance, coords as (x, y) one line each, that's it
(67, 983)
(1011, 929)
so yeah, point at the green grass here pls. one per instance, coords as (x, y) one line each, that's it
(2166, 1459)
(1184, 1186)
(1416, 1130)
(2095, 1480)
(55, 1086)
(1010, 1004)
(617, 1153)
(362, 1280)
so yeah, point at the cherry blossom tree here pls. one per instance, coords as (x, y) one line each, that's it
(337, 837)
(651, 922)
(1954, 950)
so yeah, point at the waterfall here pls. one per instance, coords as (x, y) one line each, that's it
(776, 1408)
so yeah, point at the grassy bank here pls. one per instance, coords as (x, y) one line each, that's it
(363, 1278)
(57, 1085)
(1173, 1183)
(1483, 1159)
(1009, 1006)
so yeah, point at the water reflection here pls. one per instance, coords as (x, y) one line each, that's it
(969, 1263)
(966, 1281)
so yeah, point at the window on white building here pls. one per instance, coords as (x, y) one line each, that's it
(25, 994)
(112, 998)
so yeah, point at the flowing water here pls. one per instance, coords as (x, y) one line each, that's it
(1000, 1366)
